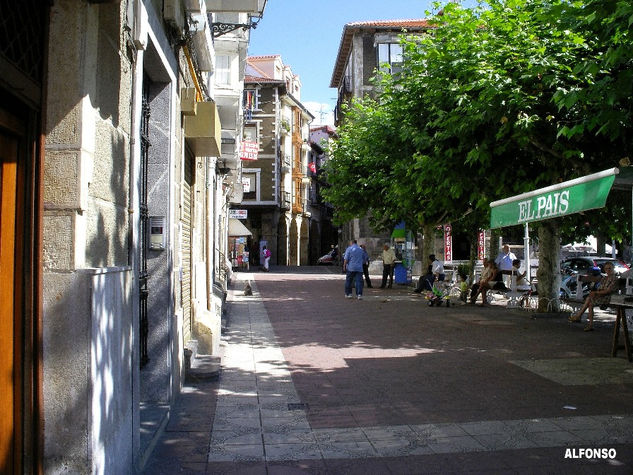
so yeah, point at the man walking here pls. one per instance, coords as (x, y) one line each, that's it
(388, 260)
(353, 267)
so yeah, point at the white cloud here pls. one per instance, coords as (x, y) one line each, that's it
(323, 113)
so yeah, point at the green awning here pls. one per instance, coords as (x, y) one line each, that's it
(562, 199)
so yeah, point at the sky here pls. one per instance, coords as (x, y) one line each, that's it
(307, 34)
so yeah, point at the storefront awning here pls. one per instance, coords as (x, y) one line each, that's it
(236, 228)
(562, 199)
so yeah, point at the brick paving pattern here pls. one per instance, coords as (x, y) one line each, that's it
(316, 383)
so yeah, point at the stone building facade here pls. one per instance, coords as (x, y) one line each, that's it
(113, 138)
(276, 184)
(323, 233)
(366, 47)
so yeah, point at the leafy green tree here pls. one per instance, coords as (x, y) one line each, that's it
(491, 103)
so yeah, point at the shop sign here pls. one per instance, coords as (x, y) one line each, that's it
(246, 184)
(481, 245)
(238, 213)
(566, 198)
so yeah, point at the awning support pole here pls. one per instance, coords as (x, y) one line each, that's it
(526, 252)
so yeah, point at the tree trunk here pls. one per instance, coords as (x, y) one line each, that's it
(428, 245)
(474, 247)
(548, 273)
(493, 245)
(600, 244)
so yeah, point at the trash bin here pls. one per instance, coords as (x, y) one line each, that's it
(401, 274)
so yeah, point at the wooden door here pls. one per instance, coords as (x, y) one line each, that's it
(9, 357)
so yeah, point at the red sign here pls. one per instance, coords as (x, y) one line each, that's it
(312, 167)
(249, 150)
(448, 243)
(481, 243)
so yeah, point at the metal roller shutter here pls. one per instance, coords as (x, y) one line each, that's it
(187, 207)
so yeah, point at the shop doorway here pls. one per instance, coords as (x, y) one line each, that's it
(10, 389)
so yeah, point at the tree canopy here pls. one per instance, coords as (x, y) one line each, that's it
(491, 102)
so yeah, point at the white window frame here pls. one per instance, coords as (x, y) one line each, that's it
(394, 58)
(223, 70)
(255, 175)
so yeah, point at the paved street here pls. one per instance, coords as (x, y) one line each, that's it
(313, 382)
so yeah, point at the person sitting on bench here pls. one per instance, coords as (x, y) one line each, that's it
(489, 281)
(601, 296)
(435, 272)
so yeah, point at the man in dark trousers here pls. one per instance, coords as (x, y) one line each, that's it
(388, 263)
(366, 266)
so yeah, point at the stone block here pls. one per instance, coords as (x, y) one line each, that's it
(62, 179)
(58, 249)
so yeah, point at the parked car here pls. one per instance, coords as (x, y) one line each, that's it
(569, 286)
(329, 259)
(585, 264)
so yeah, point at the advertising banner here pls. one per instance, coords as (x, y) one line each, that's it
(249, 150)
(448, 243)
(481, 245)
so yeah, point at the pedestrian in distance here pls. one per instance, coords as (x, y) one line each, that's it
(388, 262)
(489, 281)
(267, 255)
(353, 267)
(366, 266)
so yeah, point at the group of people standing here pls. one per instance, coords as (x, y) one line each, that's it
(356, 266)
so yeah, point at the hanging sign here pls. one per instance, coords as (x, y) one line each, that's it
(249, 150)
(448, 243)
(481, 244)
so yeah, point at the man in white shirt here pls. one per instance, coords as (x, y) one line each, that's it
(504, 263)
(505, 259)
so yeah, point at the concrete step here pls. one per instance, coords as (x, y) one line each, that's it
(204, 368)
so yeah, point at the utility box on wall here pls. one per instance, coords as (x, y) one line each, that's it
(157, 233)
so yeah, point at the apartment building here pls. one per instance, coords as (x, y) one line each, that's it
(365, 48)
(275, 177)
